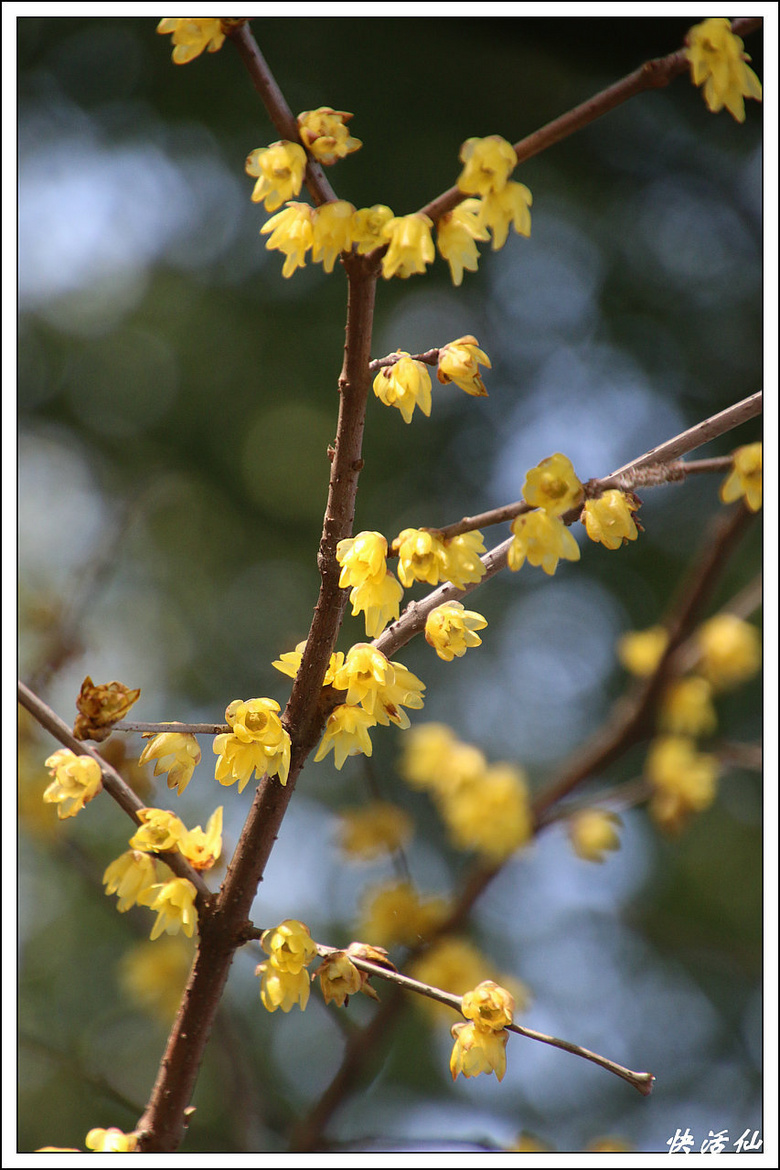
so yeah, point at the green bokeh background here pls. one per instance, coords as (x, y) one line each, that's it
(176, 398)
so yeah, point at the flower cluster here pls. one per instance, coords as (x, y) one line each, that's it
(75, 781)
(503, 203)
(484, 806)
(718, 62)
(191, 35)
(406, 383)
(480, 1044)
(375, 592)
(745, 480)
(540, 537)
(284, 980)
(257, 742)
(423, 555)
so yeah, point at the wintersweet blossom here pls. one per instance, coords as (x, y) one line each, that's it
(76, 780)
(459, 362)
(478, 1050)
(362, 558)
(686, 707)
(112, 1140)
(411, 245)
(176, 753)
(405, 384)
(509, 207)
(282, 989)
(366, 672)
(290, 945)
(259, 742)
(160, 831)
(593, 832)
(191, 35)
(608, 519)
(457, 232)
(202, 849)
(374, 831)
(289, 663)
(552, 485)
(279, 170)
(290, 231)
(450, 629)
(339, 978)
(380, 603)
(347, 733)
(718, 62)
(488, 163)
(422, 556)
(331, 232)
(324, 133)
(745, 480)
(436, 760)
(394, 914)
(542, 540)
(730, 650)
(367, 226)
(492, 817)
(130, 876)
(462, 563)
(174, 902)
(683, 780)
(488, 1005)
(640, 651)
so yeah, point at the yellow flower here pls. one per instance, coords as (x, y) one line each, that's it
(478, 1050)
(450, 630)
(459, 363)
(393, 914)
(176, 753)
(374, 831)
(488, 1005)
(640, 651)
(608, 519)
(339, 978)
(508, 207)
(365, 673)
(324, 133)
(201, 848)
(730, 651)
(683, 780)
(367, 227)
(191, 35)
(492, 817)
(542, 540)
(552, 485)
(745, 479)
(174, 902)
(435, 759)
(456, 234)
(289, 663)
(347, 733)
(411, 245)
(592, 833)
(282, 989)
(422, 556)
(405, 691)
(113, 1140)
(362, 558)
(379, 601)
(331, 232)
(290, 945)
(153, 977)
(686, 707)
(259, 742)
(291, 232)
(160, 831)
(279, 170)
(130, 876)
(488, 164)
(405, 384)
(462, 564)
(76, 780)
(717, 60)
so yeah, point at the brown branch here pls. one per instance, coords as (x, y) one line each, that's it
(159, 728)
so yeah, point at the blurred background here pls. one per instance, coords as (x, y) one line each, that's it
(176, 398)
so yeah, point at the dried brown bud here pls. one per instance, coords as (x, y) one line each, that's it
(100, 706)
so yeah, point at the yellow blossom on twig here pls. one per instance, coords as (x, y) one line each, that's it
(640, 651)
(718, 62)
(367, 226)
(552, 485)
(259, 742)
(730, 650)
(488, 164)
(411, 245)
(745, 480)
(542, 540)
(422, 556)
(488, 1005)
(686, 707)
(191, 35)
(478, 1050)
(290, 945)
(450, 629)
(279, 170)
(608, 519)
(160, 831)
(347, 733)
(290, 231)
(339, 978)
(130, 876)
(492, 817)
(509, 207)
(405, 384)
(331, 232)
(76, 780)
(111, 1141)
(202, 849)
(457, 232)
(174, 902)
(324, 133)
(462, 563)
(683, 780)
(282, 989)
(593, 832)
(289, 663)
(176, 753)
(459, 362)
